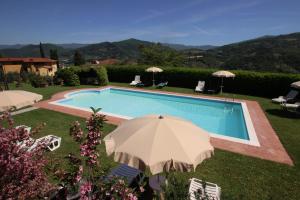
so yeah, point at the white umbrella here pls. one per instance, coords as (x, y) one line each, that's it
(161, 143)
(154, 70)
(296, 85)
(223, 74)
(15, 99)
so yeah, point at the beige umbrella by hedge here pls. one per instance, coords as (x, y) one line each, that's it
(160, 142)
(15, 99)
(223, 74)
(154, 70)
(296, 85)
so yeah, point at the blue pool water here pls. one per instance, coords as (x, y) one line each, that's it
(218, 117)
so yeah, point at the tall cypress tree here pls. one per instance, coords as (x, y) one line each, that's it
(42, 51)
(78, 59)
(54, 56)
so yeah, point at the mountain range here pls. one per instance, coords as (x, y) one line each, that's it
(268, 53)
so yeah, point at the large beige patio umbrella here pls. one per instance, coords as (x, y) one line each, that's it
(15, 99)
(223, 74)
(162, 143)
(296, 85)
(154, 70)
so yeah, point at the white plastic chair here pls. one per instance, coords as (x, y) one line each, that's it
(27, 128)
(137, 80)
(52, 142)
(212, 190)
(200, 86)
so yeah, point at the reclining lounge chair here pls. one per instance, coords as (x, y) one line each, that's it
(212, 190)
(137, 80)
(162, 84)
(290, 97)
(200, 86)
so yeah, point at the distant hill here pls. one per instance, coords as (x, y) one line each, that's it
(268, 53)
(72, 45)
(12, 46)
(125, 49)
(33, 51)
(272, 53)
(185, 47)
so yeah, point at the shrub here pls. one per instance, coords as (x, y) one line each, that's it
(87, 75)
(49, 80)
(68, 76)
(37, 80)
(246, 82)
(12, 77)
(24, 76)
(176, 189)
(22, 173)
(83, 177)
(91, 75)
(102, 76)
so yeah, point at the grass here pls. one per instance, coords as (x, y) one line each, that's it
(241, 177)
(46, 92)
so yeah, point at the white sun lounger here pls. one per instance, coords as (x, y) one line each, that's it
(52, 142)
(137, 80)
(200, 86)
(283, 99)
(212, 190)
(291, 106)
(27, 128)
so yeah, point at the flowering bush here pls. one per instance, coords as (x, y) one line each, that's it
(21, 171)
(85, 177)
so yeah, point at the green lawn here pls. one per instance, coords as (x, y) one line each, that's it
(241, 177)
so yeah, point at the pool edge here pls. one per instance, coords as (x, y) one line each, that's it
(253, 140)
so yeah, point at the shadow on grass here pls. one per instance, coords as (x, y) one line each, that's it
(283, 113)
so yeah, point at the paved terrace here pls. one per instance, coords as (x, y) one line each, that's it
(270, 146)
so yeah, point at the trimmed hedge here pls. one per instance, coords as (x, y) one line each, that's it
(245, 82)
(83, 75)
(68, 76)
(102, 76)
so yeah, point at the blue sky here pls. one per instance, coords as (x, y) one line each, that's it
(193, 22)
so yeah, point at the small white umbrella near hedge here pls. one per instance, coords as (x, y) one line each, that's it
(223, 74)
(154, 70)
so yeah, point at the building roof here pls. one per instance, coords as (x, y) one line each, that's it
(28, 60)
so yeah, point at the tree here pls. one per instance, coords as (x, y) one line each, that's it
(158, 55)
(78, 59)
(42, 51)
(54, 56)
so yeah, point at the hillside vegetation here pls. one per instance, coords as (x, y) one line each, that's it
(270, 53)
(273, 53)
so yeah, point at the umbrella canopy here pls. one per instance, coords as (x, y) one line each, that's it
(296, 85)
(160, 142)
(225, 74)
(154, 69)
(17, 99)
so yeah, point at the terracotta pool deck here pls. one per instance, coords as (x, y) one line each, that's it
(270, 146)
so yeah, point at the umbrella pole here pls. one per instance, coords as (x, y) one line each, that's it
(153, 79)
(222, 86)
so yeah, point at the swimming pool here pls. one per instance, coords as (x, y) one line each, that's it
(223, 119)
